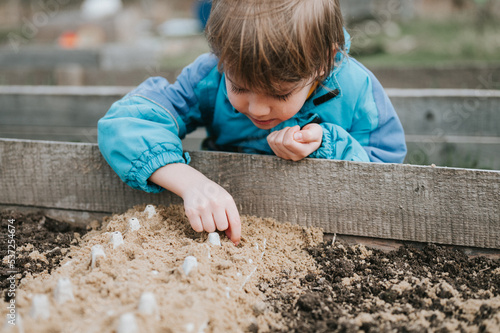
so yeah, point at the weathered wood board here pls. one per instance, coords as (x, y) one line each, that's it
(389, 201)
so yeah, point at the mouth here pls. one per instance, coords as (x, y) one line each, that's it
(262, 122)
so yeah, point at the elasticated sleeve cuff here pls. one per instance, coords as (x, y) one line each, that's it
(337, 144)
(327, 148)
(150, 161)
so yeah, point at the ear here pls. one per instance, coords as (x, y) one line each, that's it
(334, 49)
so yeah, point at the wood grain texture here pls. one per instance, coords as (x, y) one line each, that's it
(430, 112)
(390, 201)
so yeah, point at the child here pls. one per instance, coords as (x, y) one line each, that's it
(279, 82)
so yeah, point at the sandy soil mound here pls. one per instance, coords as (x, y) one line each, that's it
(219, 295)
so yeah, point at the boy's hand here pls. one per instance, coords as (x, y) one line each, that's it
(208, 205)
(292, 143)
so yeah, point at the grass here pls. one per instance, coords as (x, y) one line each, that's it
(417, 43)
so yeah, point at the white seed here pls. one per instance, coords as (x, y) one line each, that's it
(63, 291)
(150, 209)
(127, 323)
(116, 239)
(250, 261)
(40, 307)
(148, 305)
(189, 264)
(214, 238)
(133, 224)
(189, 327)
(97, 253)
(155, 272)
(228, 289)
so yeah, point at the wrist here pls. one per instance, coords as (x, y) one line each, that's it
(178, 178)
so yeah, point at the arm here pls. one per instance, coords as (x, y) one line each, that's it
(208, 206)
(142, 133)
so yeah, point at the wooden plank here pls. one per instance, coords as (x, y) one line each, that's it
(389, 201)
(56, 106)
(76, 217)
(480, 76)
(448, 112)
(463, 152)
(37, 57)
(433, 112)
(387, 245)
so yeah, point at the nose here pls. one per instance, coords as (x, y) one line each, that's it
(258, 106)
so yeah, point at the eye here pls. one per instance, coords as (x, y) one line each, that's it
(237, 90)
(283, 98)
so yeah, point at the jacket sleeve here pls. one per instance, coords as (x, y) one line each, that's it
(142, 132)
(386, 141)
(338, 144)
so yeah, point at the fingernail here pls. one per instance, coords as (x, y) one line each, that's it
(298, 136)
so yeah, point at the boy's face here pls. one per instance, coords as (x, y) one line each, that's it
(267, 111)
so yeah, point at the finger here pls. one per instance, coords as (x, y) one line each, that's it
(228, 232)
(220, 219)
(276, 143)
(310, 133)
(208, 222)
(288, 138)
(299, 136)
(292, 149)
(194, 220)
(271, 140)
(234, 225)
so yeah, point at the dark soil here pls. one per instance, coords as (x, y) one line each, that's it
(441, 283)
(46, 235)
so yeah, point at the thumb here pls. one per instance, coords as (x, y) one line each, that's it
(303, 136)
(309, 133)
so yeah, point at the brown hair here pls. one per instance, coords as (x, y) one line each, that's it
(264, 42)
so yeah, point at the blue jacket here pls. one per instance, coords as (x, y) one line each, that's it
(142, 132)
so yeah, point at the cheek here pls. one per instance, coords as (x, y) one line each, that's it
(236, 101)
(294, 105)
